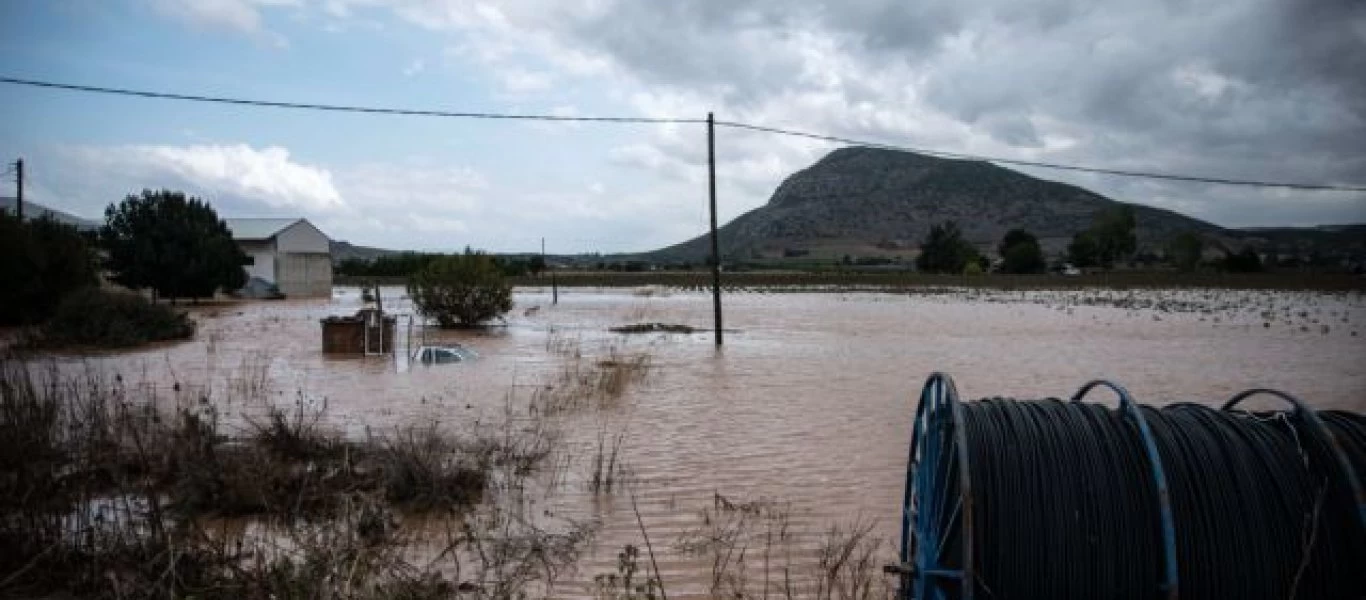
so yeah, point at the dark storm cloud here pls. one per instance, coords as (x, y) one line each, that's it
(1257, 89)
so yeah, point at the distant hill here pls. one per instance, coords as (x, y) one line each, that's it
(1324, 240)
(871, 201)
(342, 250)
(33, 210)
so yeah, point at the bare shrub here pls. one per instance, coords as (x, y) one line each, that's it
(735, 535)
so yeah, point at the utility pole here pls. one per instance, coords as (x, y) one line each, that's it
(19, 189)
(554, 284)
(715, 245)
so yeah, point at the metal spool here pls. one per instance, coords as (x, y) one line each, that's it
(936, 518)
(937, 559)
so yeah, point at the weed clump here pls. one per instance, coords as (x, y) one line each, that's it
(590, 381)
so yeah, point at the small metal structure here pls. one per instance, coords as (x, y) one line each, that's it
(369, 332)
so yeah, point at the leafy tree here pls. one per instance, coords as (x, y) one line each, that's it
(1184, 251)
(1084, 251)
(41, 262)
(1020, 253)
(945, 251)
(461, 290)
(176, 246)
(1246, 261)
(1114, 233)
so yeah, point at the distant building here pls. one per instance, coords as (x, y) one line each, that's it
(293, 254)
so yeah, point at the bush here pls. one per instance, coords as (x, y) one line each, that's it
(40, 261)
(461, 290)
(92, 317)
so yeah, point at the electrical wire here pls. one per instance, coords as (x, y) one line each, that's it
(681, 120)
(337, 107)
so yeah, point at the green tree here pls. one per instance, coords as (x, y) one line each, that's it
(461, 290)
(1114, 233)
(41, 262)
(1021, 253)
(176, 246)
(1084, 251)
(1184, 250)
(945, 251)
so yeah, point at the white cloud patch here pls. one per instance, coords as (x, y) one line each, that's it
(267, 175)
(242, 16)
(417, 66)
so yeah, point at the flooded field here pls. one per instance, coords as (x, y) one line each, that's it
(803, 414)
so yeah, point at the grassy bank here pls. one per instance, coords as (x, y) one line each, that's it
(778, 280)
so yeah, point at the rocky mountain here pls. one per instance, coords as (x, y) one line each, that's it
(871, 201)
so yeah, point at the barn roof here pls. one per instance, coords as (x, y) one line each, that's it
(258, 229)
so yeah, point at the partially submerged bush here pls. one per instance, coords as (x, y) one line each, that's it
(92, 317)
(461, 290)
(591, 381)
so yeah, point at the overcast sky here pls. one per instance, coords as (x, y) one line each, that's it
(1255, 89)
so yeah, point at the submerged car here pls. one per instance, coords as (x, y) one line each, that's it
(440, 355)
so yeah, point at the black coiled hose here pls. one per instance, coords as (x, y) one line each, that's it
(1065, 503)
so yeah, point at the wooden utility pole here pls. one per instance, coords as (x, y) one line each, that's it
(554, 283)
(715, 245)
(19, 189)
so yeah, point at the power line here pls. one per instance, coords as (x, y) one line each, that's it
(1046, 165)
(678, 120)
(337, 107)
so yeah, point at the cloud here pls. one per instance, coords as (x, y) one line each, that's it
(1252, 89)
(417, 66)
(246, 178)
(405, 203)
(242, 16)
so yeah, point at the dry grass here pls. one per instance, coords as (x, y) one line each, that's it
(105, 493)
(754, 553)
(584, 380)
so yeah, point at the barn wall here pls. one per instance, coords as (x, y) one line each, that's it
(305, 275)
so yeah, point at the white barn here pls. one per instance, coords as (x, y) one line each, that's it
(293, 254)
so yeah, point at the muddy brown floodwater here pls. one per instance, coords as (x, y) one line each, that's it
(809, 403)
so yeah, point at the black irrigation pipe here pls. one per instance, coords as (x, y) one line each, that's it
(1065, 503)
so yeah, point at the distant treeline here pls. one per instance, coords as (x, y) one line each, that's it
(404, 264)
